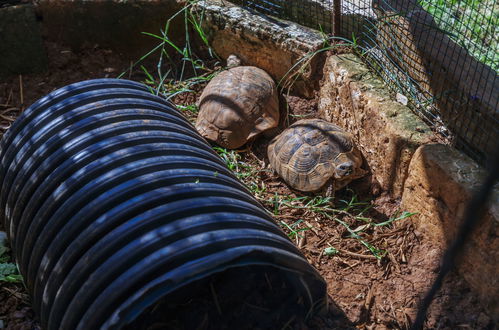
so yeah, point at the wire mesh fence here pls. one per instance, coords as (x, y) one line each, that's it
(439, 56)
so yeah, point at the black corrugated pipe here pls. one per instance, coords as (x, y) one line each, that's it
(112, 202)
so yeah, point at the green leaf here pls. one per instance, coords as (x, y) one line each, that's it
(329, 251)
(8, 272)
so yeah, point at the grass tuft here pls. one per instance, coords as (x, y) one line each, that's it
(178, 70)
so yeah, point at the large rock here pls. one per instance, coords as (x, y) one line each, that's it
(439, 186)
(388, 132)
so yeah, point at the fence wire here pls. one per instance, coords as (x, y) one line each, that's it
(441, 56)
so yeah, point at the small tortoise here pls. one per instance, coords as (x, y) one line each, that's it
(237, 105)
(313, 154)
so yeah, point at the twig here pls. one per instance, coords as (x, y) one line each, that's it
(369, 299)
(215, 299)
(320, 257)
(311, 227)
(394, 261)
(9, 98)
(357, 255)
(303, 240)
(21, 91)
(287, 324)
(257, 307)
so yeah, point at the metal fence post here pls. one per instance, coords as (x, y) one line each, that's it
(336, 17)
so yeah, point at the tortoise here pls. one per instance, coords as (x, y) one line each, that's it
(313, 155)
(237, 105)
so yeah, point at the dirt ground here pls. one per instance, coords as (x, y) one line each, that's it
(365, 292)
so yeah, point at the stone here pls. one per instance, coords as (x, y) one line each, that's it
(21, 45)
(439, 186)
(387, 132)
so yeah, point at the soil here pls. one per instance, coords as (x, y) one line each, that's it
(365, 292)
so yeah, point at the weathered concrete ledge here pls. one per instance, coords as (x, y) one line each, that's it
(388, 132)
(439, 186)
(271, 44)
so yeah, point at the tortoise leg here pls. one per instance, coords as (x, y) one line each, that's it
(330, 189)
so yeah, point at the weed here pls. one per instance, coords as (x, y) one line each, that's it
(233, 161)
(293, 229)
(174, 77)
(192, 108)
(398, 216)
(190, 111)
(300, 67)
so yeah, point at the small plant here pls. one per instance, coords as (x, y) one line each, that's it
(330, 251)
(190, 111)
(178, 69)
(396, 217)
(293, 229)
(244, 171)
(8, 270)
(232, 160)
(301, 66)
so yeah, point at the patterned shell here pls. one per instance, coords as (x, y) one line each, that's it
(306, 154)
(237, 105)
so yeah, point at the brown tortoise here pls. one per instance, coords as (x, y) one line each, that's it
(313, 154)
(237, 105)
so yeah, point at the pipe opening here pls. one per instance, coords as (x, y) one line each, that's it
(246, 297)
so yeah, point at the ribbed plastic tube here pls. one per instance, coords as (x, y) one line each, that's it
(112, 201)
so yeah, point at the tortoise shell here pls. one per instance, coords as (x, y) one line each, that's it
(312, 152)
(237, 105)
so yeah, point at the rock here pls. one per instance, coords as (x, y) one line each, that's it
(439, 186)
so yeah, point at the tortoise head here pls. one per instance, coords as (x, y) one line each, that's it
(233, 61)
(348, 166)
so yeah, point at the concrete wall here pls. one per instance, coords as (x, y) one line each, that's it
(439, 186)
